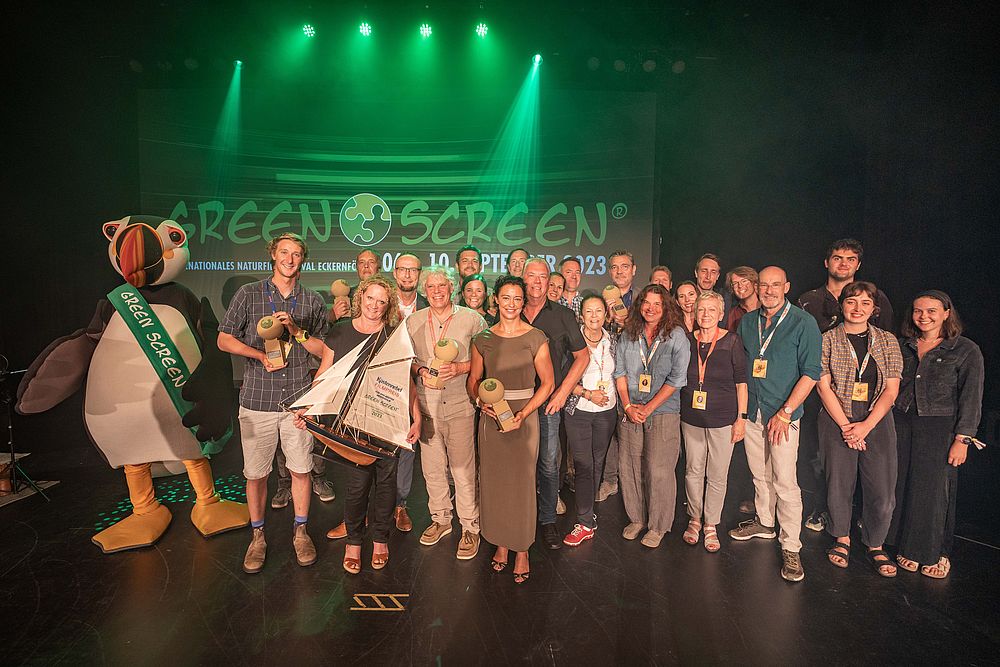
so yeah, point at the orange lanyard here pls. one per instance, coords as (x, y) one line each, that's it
(444, 328)
(703, 364)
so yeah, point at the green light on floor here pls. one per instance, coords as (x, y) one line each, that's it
(537, 59)
(308, 30)
(366, 29)
(425, 30)
(482, 29)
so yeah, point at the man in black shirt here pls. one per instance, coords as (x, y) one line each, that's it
(569, 361)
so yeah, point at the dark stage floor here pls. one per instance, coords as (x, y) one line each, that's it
(186, 600)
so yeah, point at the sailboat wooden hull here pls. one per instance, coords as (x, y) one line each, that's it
(342, 448)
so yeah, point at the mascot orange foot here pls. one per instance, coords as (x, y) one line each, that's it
(157, 386)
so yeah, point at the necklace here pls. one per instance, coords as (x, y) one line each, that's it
(590, 340)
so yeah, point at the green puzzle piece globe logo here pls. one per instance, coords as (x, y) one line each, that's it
(365, 219)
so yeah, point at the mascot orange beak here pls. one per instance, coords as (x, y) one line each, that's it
(140, 255)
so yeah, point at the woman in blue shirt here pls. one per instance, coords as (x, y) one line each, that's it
(650, 366)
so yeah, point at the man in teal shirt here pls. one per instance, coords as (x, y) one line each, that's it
(783, 346)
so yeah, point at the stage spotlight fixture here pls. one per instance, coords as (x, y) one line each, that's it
(678, 67)
(619, 65)
(366, 29)
(648, 65)
(482, 29)
(238, 64)
(425, 30)
(191, 63)
(593, 63)
(537, 59)
(308, 30)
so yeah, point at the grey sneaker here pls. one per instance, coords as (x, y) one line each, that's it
(323, 489)
(434, 533)
(791, 569)
(468, 546)
(816, 522)
(281, 498)
(560, 506)
(305, 550)
(253, 562)
(605, 491)
(748, 530)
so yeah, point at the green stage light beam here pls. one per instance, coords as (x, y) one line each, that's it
(537, 60)
(365, 29)
(425, 30)
(482, 29)
(308, 30)
(225, 142)
(510, 177)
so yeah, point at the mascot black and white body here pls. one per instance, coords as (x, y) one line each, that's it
(128, 413)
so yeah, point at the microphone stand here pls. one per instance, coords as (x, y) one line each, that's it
(18, 478)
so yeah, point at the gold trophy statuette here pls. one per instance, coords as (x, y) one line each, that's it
(444, 353)
(276, 349)
(613, 296)
(491, 393)
(339, 290)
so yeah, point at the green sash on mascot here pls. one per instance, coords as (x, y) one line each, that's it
(161, 351)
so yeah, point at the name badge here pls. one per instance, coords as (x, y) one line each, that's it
(602, 386)
(645, 383)
(860, 391)
(699, 400)
(760, 368)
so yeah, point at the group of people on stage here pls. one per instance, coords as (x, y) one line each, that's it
(630, 379)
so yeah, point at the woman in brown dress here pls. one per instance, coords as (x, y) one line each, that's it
(517, 354)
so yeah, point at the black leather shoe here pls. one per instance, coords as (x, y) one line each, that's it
(551, 537)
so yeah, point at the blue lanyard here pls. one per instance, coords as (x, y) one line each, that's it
(760, 329)
(267, 290)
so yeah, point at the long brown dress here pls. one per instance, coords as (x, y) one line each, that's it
(507, 461)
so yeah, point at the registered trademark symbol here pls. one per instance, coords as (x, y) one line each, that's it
(619, 210)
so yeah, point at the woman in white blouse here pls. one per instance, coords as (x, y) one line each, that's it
(591, 417)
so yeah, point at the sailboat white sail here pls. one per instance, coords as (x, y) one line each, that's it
(330, 389)
(381, 406)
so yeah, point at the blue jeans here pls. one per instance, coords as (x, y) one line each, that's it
(404, 476)
(548, 465)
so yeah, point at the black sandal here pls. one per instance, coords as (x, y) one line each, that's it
(521, 577)
(498, 565)
(840, 550)
(879, 558)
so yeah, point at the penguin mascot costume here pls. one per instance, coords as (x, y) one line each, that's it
(158, 389)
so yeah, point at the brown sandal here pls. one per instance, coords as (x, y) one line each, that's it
(906, 563)
(352, 565)
(938, 570)
(380, 560)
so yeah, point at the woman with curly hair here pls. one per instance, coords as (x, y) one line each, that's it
(651, 365)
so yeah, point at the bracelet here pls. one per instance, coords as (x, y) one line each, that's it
(783, 418)
(587, 394)
(627, 406)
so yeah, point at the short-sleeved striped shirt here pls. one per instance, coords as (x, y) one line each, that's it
(262, 391)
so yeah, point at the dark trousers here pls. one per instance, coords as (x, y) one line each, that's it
(923, 523)
(810, 453)
(382, 474)
(588, 435)
(877, 469)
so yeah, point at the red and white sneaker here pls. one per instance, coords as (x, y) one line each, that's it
(579, 535)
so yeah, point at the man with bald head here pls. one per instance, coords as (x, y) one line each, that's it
(783, 346)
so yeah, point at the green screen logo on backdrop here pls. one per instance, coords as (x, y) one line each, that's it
(361, 224)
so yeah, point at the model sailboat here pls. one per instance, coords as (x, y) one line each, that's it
(359, 409)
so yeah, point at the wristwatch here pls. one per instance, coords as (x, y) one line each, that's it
(744, 415)
(787, 410)
(302, 336)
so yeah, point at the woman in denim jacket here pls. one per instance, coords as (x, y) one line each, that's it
(937, 414)
(650, 367)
